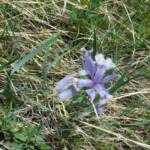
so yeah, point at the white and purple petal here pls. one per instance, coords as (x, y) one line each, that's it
(91, 94)
(88, 52)
(85, 54)
(101, 91)
(82, 73)
(101, 106)
(109, 64)
(90, 66)
(84, 83)
(100, 60)
(99, 74)
(64, 83)
(68, 93)
(111, 77)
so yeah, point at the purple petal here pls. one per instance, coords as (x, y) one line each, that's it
(101, 106)
(68, 93)
(99, 73)
(101, 91)
(88, 52)
(90, 66)
(84, 83)
(91, 93)
(85, 54)
(64, 83)
(110, 77)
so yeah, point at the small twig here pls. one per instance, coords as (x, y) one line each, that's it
(145, 91)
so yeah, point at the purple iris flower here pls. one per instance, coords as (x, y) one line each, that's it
(94, 71)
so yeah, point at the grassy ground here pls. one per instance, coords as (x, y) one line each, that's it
(40, 43)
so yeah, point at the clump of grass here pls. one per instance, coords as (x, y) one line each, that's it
(31, 116)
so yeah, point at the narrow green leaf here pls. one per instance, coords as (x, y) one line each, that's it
(45, 44)
(4, 66)
(94, 43)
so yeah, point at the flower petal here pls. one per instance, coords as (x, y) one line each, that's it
(110, 77)
(85, 54)
(68, 93)
(99, 74)
(101, 106)
(64, 83)
(88, 52)
(109, 64)
(84, 83)
(100, 60)
(101, 91)
(91, 93)
(90, 66)
(82, 72)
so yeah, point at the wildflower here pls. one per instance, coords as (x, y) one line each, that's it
(96, 79)
(94, 71)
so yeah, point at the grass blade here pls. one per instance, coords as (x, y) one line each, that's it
(94, 43)
(21, 62)
(4, 66)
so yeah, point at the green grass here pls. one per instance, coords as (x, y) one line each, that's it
(40, 43)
